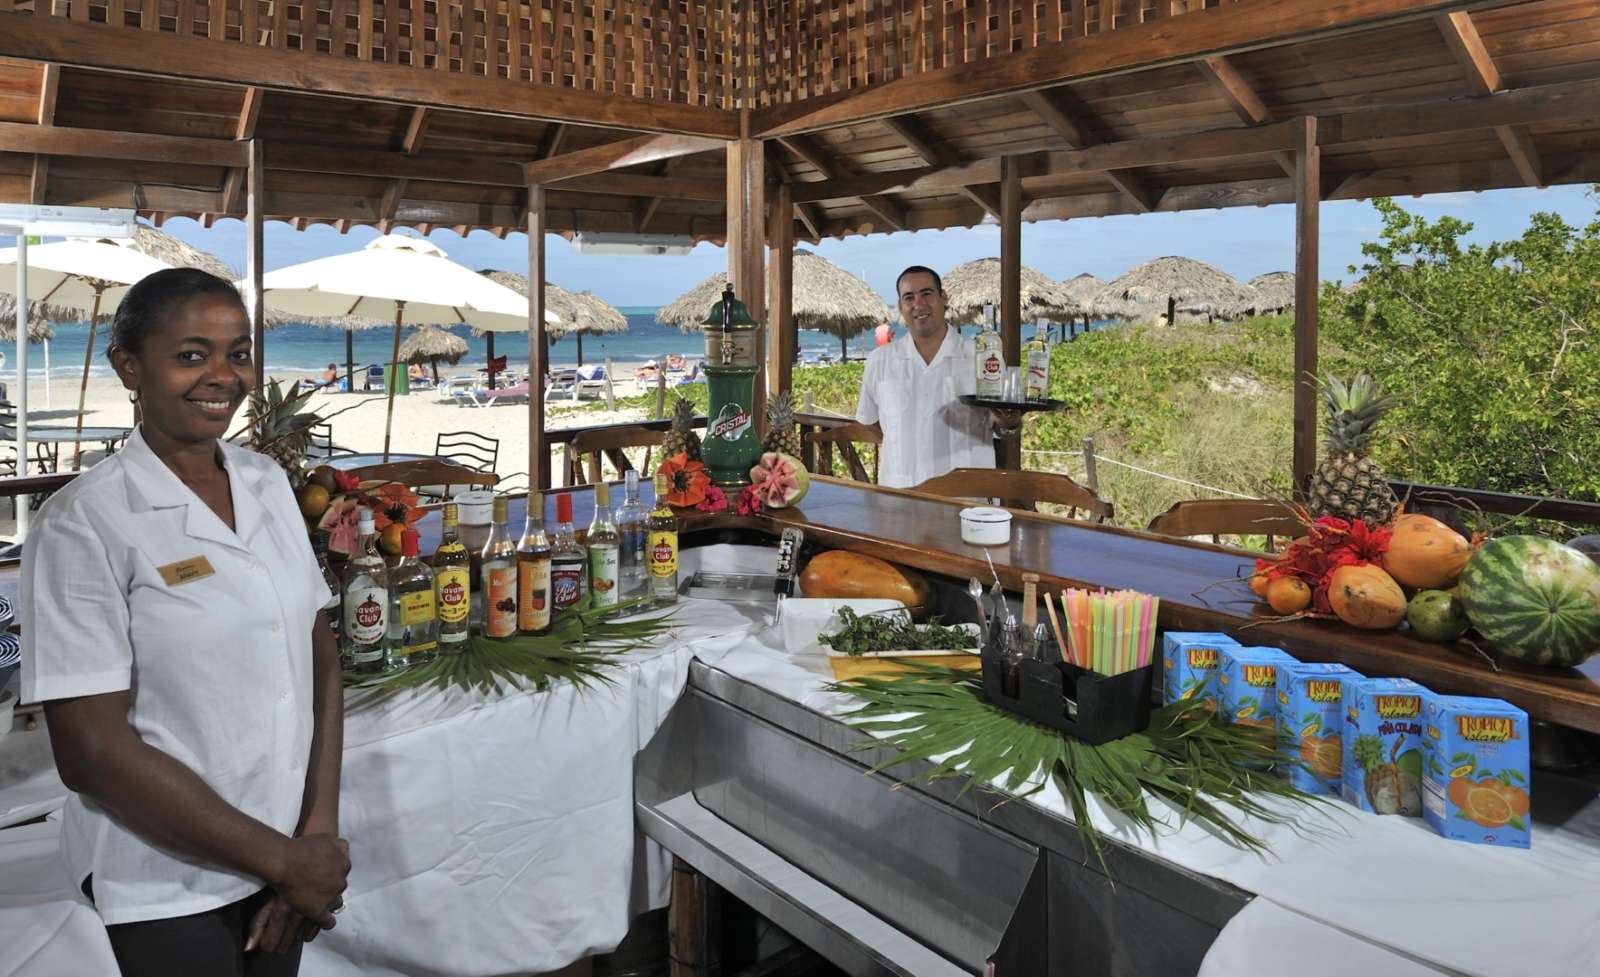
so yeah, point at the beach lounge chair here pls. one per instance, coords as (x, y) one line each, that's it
(503, 395)
(693, 376)
(591, 380)
(559, 383)
(374, 378)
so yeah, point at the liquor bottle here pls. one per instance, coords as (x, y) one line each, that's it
(630, 536)
(661, 542)
(533, 571)
(1037, 362)
(333, 610)
(413, 613)
(499, 577)
(603, 548)
(568, 562)
(452, 586)
(364, 590)
(987, 359)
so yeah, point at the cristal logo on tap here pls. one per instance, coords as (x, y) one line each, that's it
(1261, 675)
(1324, 691)
(1398, 706)
(731, 422)
(1486, 729)
(368, 613)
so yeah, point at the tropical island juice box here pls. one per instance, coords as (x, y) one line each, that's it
(1382, 763)
(1247, 685)
(1475, 770)
(1311, 724)
(1189, 662)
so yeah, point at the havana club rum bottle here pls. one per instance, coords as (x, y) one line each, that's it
(987, 359)
(661, 546)
(364, 586)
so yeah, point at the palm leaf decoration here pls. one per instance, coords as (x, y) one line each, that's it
(1198, 764)
(580, 645)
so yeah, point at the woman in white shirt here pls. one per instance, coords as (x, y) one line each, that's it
(172, 629)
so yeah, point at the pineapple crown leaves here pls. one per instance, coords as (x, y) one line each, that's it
(1369, 752)
(1354, 410)
(278, 420)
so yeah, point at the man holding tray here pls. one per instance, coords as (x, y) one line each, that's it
(911, 387)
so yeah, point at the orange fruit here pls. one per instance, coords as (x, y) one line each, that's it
(1258, 585)
(390, 539)
(314, 500)
(1517, 798)
(1458, 789)
(1289, 595)
(323, 475)
(1486, 806)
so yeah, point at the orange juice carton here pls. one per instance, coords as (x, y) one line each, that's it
(1382, 762)
(1475, 770)
(1189, 661)
(1311, 724)
(1247, 685)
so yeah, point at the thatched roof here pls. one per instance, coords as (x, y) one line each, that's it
(1195, 287)
(164, 247)
(977, 283)
(1274, 291)
(1082, 289)
(826, 298)
(429, 343)
(39, 319)
(582, 313)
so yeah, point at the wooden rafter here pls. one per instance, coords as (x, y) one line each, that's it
(1063, 118)
(646, 211)
(808, 149)
(936, 152)
(1242, 98)
(807, 214)
(244, 129)
(49, 83)
(21, 137)
(410, 145)
(614, 156)
(1461, 35)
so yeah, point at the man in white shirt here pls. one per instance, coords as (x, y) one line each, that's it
(910, 390)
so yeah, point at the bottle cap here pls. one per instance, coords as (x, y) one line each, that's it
(536, 506)
(663, 486)
(564, 507)
(364, 521)
(602, 493)
(499, 508)
(408, 542)
(449, 515)
(631, 479)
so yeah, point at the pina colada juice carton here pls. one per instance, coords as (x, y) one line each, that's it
(1475, 770)
(1189, 661)
(1311, 724)
(1247, 685)
(1383, 745)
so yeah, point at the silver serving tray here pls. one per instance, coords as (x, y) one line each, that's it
(750, 588)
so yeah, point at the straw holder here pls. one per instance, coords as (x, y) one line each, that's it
(1084, 704)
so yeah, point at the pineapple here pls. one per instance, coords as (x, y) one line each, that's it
(280, 429)
(1348, 484)
(782, 435)
(682, 438)
(1387, 789)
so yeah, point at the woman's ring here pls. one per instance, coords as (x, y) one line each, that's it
(339, 908)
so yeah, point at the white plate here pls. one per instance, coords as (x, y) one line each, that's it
(968, 627)
(804, 618)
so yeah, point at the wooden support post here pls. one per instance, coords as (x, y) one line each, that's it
(1008, 449)
(746, 247)
(694, 937)
(255, 216)
(538, 450)
(785, 338)
(1307, 205)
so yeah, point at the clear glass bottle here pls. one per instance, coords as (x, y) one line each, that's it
(333, 610)
(533, 571)
(661, 542)
(413, 612)
(452, 586)
(631, 572)
(1036, 360)
(603, 546)
(364, 589)
(989, 359)
(569, 564)
(499, 565)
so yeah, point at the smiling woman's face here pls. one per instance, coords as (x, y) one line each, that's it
(193, 370)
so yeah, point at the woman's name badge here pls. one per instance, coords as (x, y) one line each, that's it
(186, 571)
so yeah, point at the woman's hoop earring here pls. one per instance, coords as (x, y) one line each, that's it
(133, 396)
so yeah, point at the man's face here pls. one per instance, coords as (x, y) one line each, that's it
(921, 304)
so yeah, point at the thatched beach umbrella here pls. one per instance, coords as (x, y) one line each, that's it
(976, 284)
(826, 298)
(582, 313)
(39, 319)
(1168, 286)
(430, 344)
(1274, 292)
(1082, 291)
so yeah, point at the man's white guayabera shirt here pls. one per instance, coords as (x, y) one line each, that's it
(926, 430)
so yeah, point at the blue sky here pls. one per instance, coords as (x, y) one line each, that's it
(1244, 242)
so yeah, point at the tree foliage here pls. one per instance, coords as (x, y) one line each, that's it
(1491, 349)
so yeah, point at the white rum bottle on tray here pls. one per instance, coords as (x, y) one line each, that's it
(569, 565)
(661, 544)
(988, 360)
(364, 588)
(604, 551)
(452, 586)
(533, 571)
(499, 577)
(413, 612)
(630, 538)
(1036, 358)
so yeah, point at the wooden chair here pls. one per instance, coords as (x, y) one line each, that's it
(1229, 517)
(320, 442)
(585, 451)
(468, 449)
(433, 478)
(817, 450)
(1019, 490)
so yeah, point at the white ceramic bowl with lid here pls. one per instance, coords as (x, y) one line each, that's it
(985, 525)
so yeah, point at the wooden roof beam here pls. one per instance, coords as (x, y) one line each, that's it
(1053, 110)
(1242, 98)
(886, 210)
(1524, 154)
(233, 187)
(614, 156)
(807, 149)
(646, 211)
(807, 214)
(39, 179)
(936, 152)
(1462, 36)
(21, 137)
(410, 145)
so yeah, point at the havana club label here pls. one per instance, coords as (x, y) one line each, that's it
(366, 619)
(453, 587)
(663, 550)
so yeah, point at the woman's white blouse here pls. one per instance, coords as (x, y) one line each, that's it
(130, 581)
(926, 430)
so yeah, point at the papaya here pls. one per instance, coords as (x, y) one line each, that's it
(1425, 554)
(1366, 597)
(842, 573)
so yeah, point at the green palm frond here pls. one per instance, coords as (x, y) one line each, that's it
(1199, 765)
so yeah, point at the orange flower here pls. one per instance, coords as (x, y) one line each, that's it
(392, 502)
(688, 479)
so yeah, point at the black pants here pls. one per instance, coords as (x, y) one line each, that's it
(208, 944)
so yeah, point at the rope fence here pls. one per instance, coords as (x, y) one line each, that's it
(1143, 471)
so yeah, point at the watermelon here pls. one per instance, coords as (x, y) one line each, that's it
(1534, 599)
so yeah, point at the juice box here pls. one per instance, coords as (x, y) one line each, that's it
(1382, 763)
(1475, 770)
(1311, 723)
(1189, 661)
(1247, 683)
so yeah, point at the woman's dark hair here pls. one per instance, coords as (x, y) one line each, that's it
(154, 297)
(938, 282)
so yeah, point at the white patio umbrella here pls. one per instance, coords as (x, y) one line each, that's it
(404, 278)
(83, 274)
